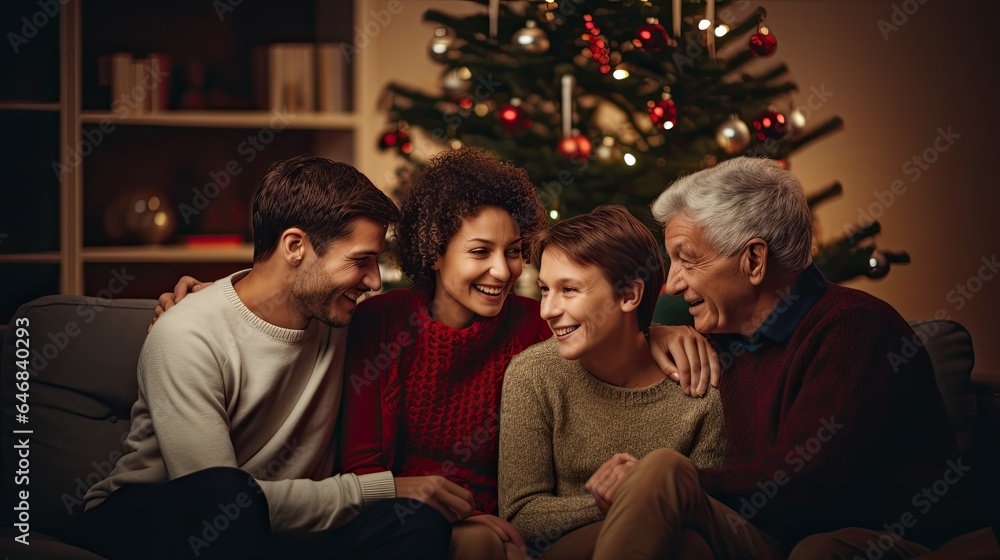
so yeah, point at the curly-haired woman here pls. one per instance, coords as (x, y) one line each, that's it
(425, 364)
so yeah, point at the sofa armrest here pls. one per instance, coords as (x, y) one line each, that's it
(82, 367)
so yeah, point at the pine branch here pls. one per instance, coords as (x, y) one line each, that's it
(705, 92)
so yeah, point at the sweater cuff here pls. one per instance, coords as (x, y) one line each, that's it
(377, 486)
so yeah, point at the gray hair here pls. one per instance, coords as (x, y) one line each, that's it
(740, 199)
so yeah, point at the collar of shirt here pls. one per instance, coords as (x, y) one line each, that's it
(792, 307)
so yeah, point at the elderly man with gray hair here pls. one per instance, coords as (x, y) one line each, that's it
(827, 437)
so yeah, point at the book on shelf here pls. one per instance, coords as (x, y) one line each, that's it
(138, 85)
(121, 79)
(300, 82)
(300, 77)
(331, 78)
(159, 76)
(138, 93)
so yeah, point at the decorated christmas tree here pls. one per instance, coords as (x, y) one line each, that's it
(607, 102)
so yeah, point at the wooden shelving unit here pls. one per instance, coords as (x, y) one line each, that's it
(172, 151)
(230, 119)
(29, 106)
(169, 254)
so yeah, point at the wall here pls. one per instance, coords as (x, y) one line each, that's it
(896, 90)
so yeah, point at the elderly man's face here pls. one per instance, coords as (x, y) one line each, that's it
(720, 297)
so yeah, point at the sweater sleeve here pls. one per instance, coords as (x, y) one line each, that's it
(708, 447)
(364, 372)
(841, 408)
(185, 393)
(299, 505)
(526, 471)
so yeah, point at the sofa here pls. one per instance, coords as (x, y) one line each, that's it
(82, 366)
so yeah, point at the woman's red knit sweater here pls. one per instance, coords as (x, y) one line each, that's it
(422, 398)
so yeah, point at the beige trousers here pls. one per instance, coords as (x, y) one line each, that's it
(472, 541)
(580, 544)
(660, 501)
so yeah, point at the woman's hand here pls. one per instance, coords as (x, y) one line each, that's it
(507, 532)
(453, 501)
(167, 300)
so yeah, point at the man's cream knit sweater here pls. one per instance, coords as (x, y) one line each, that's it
(218, 386)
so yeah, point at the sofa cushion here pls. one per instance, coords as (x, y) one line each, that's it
(83, 383)
(950, 347)
(41, 547)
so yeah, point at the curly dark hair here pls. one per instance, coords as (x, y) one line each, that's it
(456, 185)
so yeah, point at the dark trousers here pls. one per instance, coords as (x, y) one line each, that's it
(221, 513)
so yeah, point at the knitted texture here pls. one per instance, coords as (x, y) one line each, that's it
(560, 424)
(434, 407)
(834, 428)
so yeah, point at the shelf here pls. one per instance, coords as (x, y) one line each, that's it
(229, 119)
(28, 106)
(49, 257)
(61, 245)
(169, 254)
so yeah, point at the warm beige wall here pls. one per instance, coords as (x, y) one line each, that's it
(894, 96)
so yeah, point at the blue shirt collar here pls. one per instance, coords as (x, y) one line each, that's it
(779, 324)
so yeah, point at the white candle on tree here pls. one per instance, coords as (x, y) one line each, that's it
(677, 20)
(494, 16)
(567, 105)
(710, 38)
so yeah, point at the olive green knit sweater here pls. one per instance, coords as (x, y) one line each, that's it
(559, 423)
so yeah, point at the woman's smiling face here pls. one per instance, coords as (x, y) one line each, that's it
(475, 274)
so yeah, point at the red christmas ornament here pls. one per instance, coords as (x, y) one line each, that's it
(663, 113)
(513, 118)
(770, 125)
(575, 147)
(763, 43)
(651, 37)
(597, 45)
(398, 139)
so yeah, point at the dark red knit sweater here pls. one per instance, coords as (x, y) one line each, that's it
(422, 398)
(827, 428)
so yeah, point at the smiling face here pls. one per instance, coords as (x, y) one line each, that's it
(478, 268)
(326, 288)
(580, 307)
(721, 298)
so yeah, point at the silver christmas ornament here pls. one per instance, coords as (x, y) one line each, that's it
(456, 82)
(531, 39)
(442, 46)
(733, 135)
(607, 150)
(796, 120)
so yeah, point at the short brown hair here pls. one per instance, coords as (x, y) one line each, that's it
(457, 185)
(617, 243)
(320, 196)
